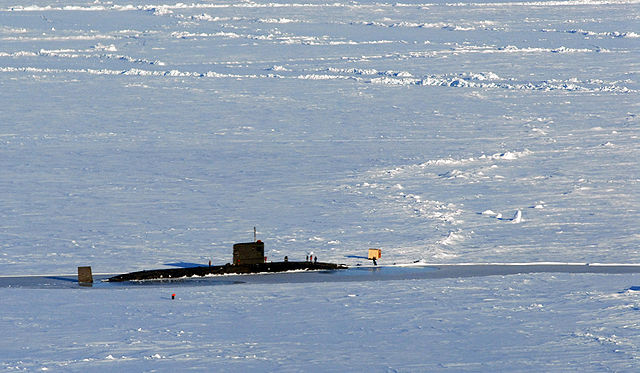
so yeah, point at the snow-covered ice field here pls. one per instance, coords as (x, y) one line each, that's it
(134, 134)
(517, 323)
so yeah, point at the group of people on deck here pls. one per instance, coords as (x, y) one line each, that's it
(309, 258)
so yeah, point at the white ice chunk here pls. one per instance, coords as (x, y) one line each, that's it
(517, 218)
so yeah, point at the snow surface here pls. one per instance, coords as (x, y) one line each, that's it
(134, 134)
(515, 323)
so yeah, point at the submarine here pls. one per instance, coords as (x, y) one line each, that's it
(248, 258)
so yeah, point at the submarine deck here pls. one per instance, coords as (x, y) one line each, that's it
(272, 267)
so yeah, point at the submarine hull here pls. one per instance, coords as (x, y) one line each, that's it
(160, 274)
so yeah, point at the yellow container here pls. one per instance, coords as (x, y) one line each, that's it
(375, 253)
